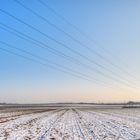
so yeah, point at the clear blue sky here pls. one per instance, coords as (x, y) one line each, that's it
(113, 27)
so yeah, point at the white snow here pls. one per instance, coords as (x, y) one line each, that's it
(71, 124)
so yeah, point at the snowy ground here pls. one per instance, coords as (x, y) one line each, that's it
(71, 124)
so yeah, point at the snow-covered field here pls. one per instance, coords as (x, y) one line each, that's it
(71, 124)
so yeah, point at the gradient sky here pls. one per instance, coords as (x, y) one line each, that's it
(111, 29)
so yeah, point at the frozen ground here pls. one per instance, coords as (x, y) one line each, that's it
(71, 124)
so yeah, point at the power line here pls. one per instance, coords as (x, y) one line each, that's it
(46, 65)
(93, 41)
(58, 52)
(67, 34)
(60, 43)
(43, 46)
(77, 41)
(51, 64)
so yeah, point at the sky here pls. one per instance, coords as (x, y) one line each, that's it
(69, 51)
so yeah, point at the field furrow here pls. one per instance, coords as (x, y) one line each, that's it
(70, 124)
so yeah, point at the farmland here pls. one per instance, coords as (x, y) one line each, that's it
(70, 123)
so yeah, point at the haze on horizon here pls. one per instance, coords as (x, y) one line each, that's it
(95, 42)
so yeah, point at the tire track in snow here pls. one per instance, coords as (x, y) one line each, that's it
(69, 124)
(16, 116)
(84, 125)
(24, 121)
(118, 130)
(124, 126)
(48, 131)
